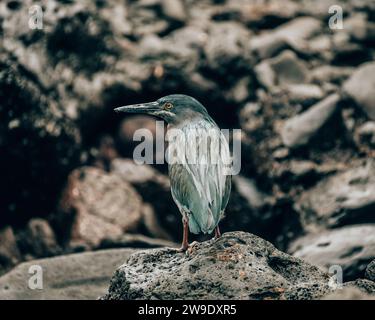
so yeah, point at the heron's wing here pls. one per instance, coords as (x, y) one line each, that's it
(227, 189)
(184, 189)
(202, 187)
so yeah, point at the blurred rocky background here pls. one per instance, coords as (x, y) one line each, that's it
(302, 93)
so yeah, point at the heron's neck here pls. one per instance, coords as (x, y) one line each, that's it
(191, 122)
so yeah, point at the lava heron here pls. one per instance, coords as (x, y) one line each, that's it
(199, 165)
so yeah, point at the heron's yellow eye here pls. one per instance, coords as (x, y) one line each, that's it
(168, 106)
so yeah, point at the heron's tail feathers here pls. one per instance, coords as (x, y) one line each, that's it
(193, 225)
(202, 223)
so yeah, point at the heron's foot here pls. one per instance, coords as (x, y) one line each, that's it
(183, 248)
(192, 247)
(194, 243)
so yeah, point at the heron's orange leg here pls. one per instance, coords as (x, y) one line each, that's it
(217, 232)
(185, 240)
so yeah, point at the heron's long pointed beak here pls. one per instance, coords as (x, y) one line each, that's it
(148, 108)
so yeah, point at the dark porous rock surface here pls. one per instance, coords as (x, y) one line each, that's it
(370, 271)
(238, 265)
(364, 285)
(349, 293)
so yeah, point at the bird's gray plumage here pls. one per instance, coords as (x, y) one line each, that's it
(200, 188)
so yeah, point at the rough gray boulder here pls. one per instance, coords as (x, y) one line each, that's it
(282, 70)
(341, 199)
(304, 93)
(227, 47)
(370, 271)
(102, 204)
(361, 87)
(365, 135)
(299, 29)
(238, 265)
(38, 239)
(352, 248)
(298, 130)
(75, 276)
(151, 185)
(293, 34)
(9, 251)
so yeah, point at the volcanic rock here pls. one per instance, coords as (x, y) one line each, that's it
(237, 266)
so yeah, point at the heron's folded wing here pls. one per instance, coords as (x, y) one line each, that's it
(227, 189)
(202, 187)
(187, 191)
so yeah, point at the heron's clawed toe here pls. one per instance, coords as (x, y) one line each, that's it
(183, 248)
(192, 247)
(193, 244)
